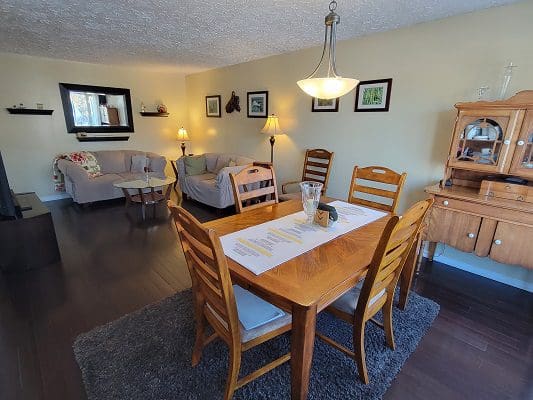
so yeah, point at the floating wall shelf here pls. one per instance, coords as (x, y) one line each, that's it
(29, 111)
(153, 114)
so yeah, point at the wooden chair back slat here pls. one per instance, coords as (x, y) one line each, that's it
(380, 175)
(212, 287)
(375, 191)
(390, 256)
(254, 187)
(313, 172)
(317, 166)
(371, 204)
(257, 193)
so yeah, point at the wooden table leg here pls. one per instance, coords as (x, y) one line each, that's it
(127, 196)
(143, 204)
(302, 345)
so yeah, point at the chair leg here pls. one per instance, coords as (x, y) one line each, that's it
(387, 321)
(359, 349)
(200, 334)
(233, 372)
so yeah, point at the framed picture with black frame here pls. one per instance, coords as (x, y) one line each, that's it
(257, 104)
(212, 106)
(324, 105)
(373, 96)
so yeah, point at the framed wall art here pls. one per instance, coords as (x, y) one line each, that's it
(324, 105)
(373, 95)
(212, 106)
(257, 104)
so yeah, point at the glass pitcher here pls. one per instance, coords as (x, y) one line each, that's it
(310, 197)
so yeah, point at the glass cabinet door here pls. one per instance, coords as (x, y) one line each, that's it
(523, 154)
(481, 142)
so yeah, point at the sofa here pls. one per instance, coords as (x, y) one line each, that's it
(115, 165)
(211, 186)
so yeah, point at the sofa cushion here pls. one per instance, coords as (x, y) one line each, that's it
(195, 165)
(157, 163)
(211, 161)
(138, 163)
(111, 161)
(222, 162)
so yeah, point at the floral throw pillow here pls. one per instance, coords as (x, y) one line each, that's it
(87, 161)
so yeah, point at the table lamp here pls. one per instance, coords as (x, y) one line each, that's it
(272, 128)
(183, 137)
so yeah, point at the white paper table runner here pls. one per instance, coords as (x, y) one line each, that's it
(265, 246)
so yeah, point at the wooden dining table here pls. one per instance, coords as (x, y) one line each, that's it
(306, 284)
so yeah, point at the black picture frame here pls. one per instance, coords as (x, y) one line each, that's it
(316, 107)
(249, 97)
(217, 114)
(359, 93)
(66, 88)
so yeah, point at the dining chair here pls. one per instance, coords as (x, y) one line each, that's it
(219, 304)
(317, 167)
(376, 292)
(374, 196)
(254, 187)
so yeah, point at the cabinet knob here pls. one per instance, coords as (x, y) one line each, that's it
(507, 141)
(445, 202)
(497, 242)
(520, 143)
(471, 235)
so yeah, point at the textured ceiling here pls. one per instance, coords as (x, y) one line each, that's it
(193, 35)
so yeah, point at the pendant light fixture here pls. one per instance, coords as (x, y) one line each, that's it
(333, 85)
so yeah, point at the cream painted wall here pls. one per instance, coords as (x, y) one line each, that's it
(433, 66)
(29, 143)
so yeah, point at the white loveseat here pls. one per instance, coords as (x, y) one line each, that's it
(214, 186)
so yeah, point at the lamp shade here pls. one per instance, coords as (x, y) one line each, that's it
(327, 88)
(272, 126)
(182, 134)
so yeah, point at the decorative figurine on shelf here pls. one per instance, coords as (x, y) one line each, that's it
(143, 107)
(508, 74)
(161, 108)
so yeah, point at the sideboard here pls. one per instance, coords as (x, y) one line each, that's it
(484, 204)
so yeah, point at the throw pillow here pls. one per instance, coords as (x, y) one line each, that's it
(138, 163)
(222, 162)
(195, 165)
(232, 163)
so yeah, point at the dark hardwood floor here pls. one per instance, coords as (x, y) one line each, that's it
(480, 346)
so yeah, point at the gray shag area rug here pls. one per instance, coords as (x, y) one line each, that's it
(147, 355)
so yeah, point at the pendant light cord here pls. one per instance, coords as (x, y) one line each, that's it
(332, 68)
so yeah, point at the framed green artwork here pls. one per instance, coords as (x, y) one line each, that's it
(373, 95)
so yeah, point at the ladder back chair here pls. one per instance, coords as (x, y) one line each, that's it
(317, 167)
(361, 303)
(254, 187)
(215, 301)
(384, 199)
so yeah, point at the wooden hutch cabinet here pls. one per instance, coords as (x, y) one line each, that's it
(484, 204)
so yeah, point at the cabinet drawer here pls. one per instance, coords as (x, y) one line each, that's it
(454, 228)
(485, 210)
(512, 245)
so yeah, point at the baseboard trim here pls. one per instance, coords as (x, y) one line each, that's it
(495, 276)
(52, 197)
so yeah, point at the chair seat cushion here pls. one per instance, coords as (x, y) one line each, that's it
(290, 196)
(271, 317)
(348, 301)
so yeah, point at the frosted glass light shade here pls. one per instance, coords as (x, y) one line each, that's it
(182, 134)
(327, 88)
